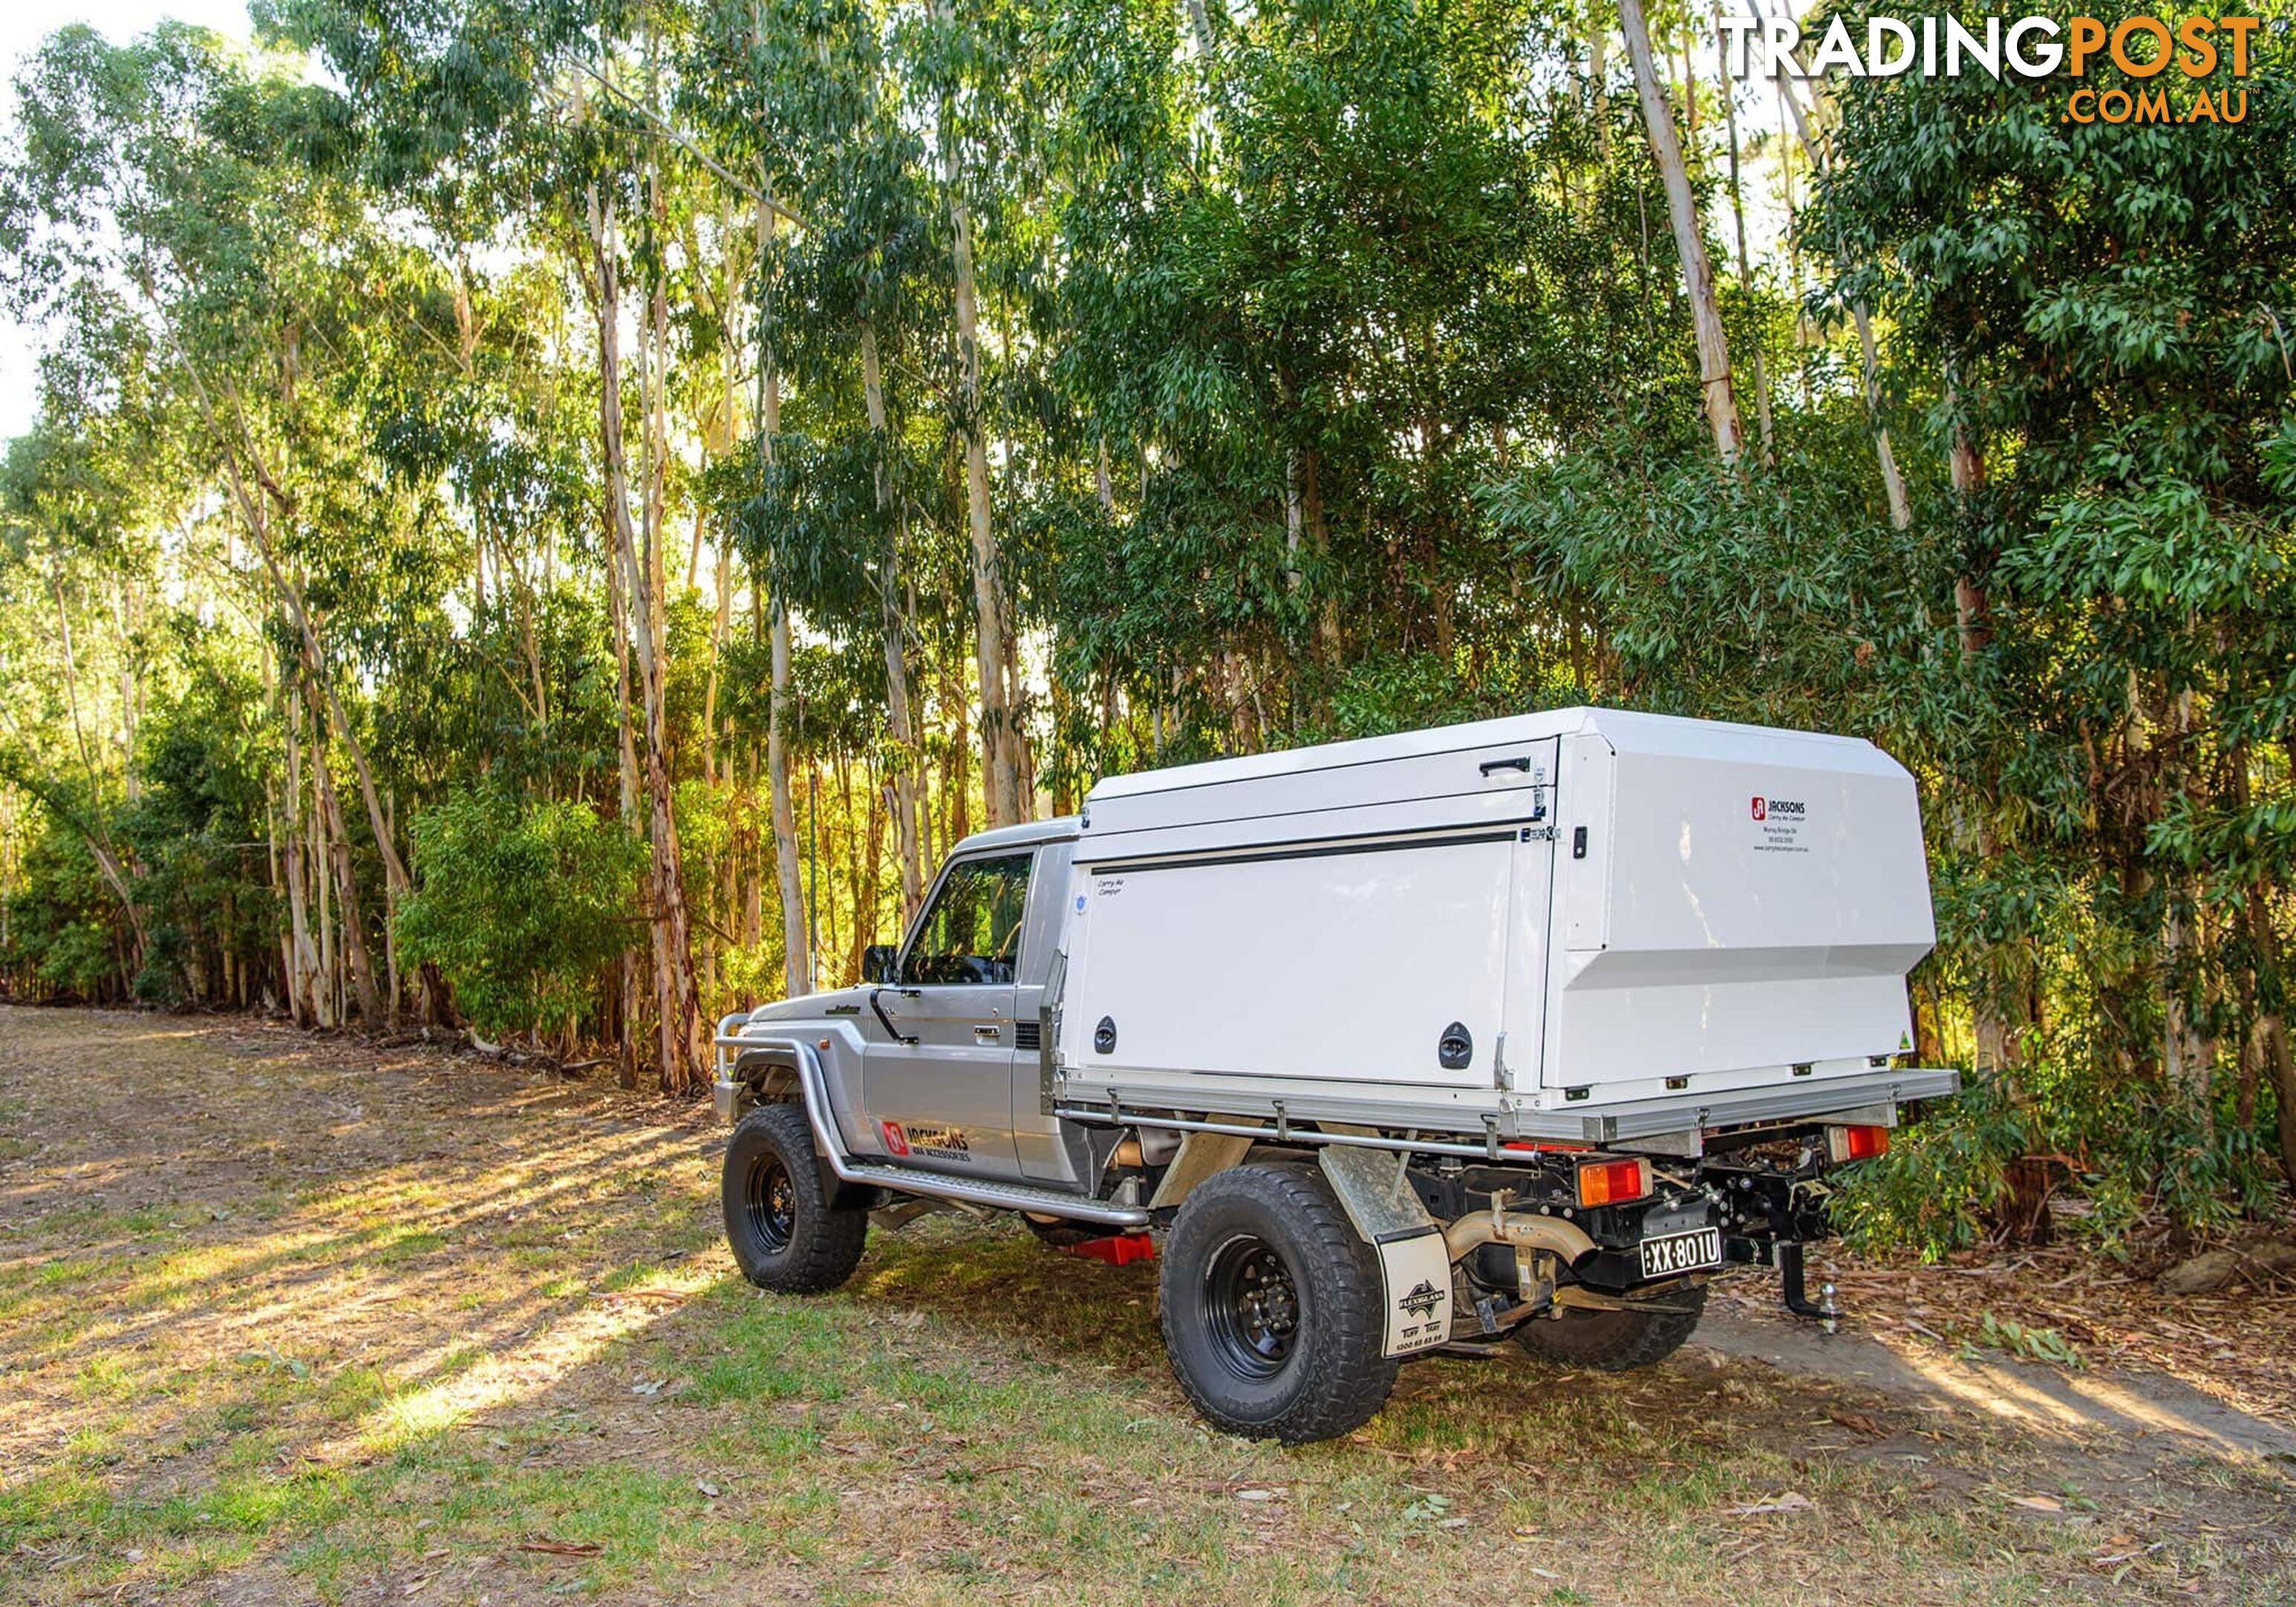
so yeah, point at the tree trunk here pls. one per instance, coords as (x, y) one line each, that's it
(681, 1035)
(798, 960)
(797, 953)
(301, 957)
(2186, 1053)
(1720, 401)
(2273, 1027)
(339, 855)
(331, 990)
(907, 759)
(1000, 735)
(1199, 24)
(1762, 415)
(1292, 517)
(752, 895)
(1893, 483)
(1996, 1029)
(1965, 465)
(866, 894)
(625, 753)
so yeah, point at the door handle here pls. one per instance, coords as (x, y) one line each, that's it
(1522, 761)
(987, 1035)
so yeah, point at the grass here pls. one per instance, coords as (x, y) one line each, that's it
(485, 1344)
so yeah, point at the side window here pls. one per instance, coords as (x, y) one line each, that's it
(971, 933)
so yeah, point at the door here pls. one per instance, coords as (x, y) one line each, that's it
(941, 1098)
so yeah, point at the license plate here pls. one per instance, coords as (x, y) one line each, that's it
(1677, 1253)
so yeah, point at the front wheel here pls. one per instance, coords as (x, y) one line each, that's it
(785, 1234)
(1272, 1307)
(1615, 1342)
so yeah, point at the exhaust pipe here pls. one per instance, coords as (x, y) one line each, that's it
(1563, 1240)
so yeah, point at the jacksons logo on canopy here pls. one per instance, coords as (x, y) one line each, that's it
(2199, 47)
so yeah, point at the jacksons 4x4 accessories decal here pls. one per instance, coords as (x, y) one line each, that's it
(932, 1143)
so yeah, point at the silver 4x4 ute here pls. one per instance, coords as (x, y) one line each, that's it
(1519, 1030)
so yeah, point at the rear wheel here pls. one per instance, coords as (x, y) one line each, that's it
(779, 1223)
(1615, 1342)
(1271, 1308)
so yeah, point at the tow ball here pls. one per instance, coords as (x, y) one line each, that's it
(1825, 1308)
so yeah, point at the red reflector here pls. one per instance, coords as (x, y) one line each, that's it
(1859, 1143)
(1612, 1181)
(1118, 1249)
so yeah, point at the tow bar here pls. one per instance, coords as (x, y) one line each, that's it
(1825, 1308)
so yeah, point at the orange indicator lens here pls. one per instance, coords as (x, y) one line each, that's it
(1612, 1181)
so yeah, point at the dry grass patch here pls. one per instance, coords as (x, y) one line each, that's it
(281, 1320)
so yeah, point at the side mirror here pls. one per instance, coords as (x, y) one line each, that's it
(877, 961)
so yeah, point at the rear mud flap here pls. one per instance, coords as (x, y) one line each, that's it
(1417, 1272)
(1414, 1265)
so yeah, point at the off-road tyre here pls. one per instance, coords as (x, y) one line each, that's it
(1614, 1342)
(784, 1233)
(1304, 1362)
(1061, 1233)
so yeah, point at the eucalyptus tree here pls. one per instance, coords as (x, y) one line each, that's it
(2118, 575)
(960, 81)
(1716, 393)
(1322, 290)
(552, 114)
(67, 728)
(212, 198)
(862, 283)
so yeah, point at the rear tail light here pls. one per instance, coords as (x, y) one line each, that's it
(1613, 1182)
(1857, 1144)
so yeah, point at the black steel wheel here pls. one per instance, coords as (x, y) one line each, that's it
(1253, 1308)
(784, 1233)
(771, 1201)
(1272, 1306)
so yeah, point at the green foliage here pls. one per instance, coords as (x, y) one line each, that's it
(64, 932)
(1930, 1194)
(2031, 1344)
(520, 905)
(196, 830)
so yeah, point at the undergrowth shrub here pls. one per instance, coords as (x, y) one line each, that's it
(2114, 1162)
(521, 904)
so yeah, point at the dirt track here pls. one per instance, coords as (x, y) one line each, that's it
(288, 1318)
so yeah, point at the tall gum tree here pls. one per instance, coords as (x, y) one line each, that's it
(1716, 393)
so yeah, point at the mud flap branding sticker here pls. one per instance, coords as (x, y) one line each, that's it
(1417, 1271)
